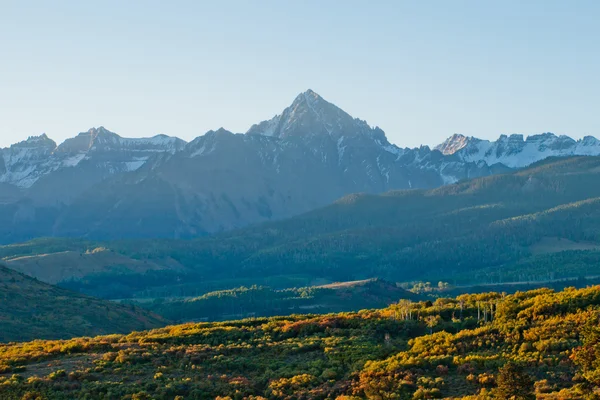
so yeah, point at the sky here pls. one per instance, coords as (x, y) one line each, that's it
(420, 70)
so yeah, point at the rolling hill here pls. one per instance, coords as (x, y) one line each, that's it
(258, 301)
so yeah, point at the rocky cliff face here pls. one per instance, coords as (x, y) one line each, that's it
(99, 184)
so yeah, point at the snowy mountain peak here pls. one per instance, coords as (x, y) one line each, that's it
(454, 143)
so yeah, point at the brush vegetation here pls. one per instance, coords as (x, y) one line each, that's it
(539, 343)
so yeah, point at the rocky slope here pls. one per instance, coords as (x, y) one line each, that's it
(100, 185)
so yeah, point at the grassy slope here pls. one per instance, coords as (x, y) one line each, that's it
(30, 309)
(73, 265)
(370, 354)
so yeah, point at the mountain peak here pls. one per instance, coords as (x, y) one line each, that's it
(102, 132)
(310, 116)
(84, 141)
(41, 141)
(309, 96)
(310, 102)
(454, 143)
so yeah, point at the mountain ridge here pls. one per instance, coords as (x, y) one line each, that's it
(516, 151)
(100, 185)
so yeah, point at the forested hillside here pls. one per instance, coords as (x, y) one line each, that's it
(540, 344)
(517, 226)
(30, 310)
(263, 301)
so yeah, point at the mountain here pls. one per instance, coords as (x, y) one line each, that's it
(30, 309)
(101, 186)
(309, 156)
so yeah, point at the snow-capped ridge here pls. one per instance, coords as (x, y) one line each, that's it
(516, 151)
(309, 155)
(24, 163)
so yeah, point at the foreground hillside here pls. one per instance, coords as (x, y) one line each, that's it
(537, 343)
(30, 309)
(539, 223)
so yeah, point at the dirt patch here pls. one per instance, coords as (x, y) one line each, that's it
(41, 369)
(340, 285)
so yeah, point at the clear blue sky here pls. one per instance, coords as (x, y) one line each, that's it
(421, 70)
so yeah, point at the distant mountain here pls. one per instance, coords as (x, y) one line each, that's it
(30, 309)
(307, 157)
(99, 185)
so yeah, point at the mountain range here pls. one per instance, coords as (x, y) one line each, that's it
(102, 186)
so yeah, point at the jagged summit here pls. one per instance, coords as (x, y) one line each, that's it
(453, 144)
(40, 141)
(84, 141)
(312, 102)
(101, 138)
(516, 150)
(312, 115)
(107, 153)
(309, 96)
